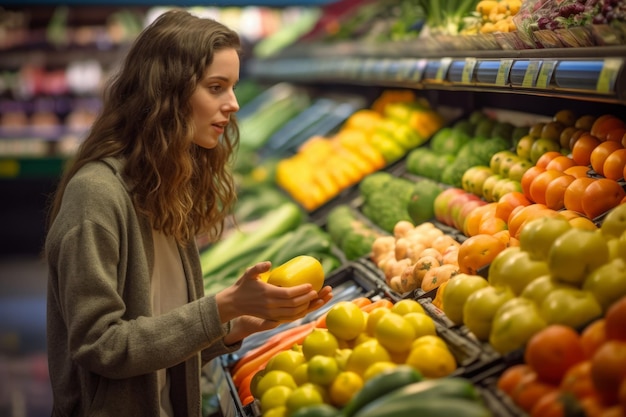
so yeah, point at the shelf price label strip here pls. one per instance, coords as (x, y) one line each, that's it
(442, 71)
(545, 74)
(468, 70)
(530, 76)
(504, 70)
(606, 80)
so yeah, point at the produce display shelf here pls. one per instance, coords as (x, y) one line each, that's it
(348, 282)
(588, 73)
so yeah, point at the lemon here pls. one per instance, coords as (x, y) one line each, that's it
(345, 320)
(378, 367)
(276, 412)
(429, 340)
(394, 332)
(432, 361)
(342, 356)
(363, 337)
(272, 379)
(322, 369)
(319, 342)
(366, 354)
(300, 373)
(302, 396)
(343, 388)
(422, 324)
(373, 318)
(254, 382)
(287, 361)
(406, 306)
(275, 397)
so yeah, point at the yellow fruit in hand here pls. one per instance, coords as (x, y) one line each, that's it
(302, 269)
(345, 320)
(394, 332)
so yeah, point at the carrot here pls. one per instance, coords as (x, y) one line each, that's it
(271, 343)
(362, 301)
(248, 400)
(261, 360)
(383, 302)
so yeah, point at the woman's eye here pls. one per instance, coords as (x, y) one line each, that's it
(215, 88)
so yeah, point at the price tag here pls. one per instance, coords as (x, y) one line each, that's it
(608, 75)
(392, 70)
(9, 168)
(545, 74)
(468, 70)
(417, 70)
(504, 70)
(530, 77)
(442, 71)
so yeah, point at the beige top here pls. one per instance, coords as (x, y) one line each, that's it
(168, 291)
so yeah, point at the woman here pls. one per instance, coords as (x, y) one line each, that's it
(129, 327)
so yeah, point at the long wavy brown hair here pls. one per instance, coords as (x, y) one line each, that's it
(184, 189)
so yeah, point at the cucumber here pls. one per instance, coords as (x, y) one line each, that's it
(443, 390)
(317, 410)
(428, 407)
(381, 385)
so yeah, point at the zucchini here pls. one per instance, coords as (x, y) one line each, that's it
(409, 397)
(428, 407)
(380, 385)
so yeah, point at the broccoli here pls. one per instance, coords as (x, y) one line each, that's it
(375, 181)
(387, 205)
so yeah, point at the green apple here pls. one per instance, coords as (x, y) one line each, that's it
(607, 283)
(480, 308)
(538, 235)
(617, 248)
(537, 289)
(457, 292)
(494, 275)
(570, 306)
(514, 324)
(614, 224)
(576, 253)
(518, 271)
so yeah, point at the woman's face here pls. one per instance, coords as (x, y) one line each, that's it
(214, 99)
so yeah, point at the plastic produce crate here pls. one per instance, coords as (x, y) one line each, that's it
(348, 282)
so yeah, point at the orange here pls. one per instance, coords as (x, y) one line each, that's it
(530, 390)
(604, 124)
(569, 214)
(511, 377)
(545, 159)
(561, 163)
(581, 151)
(521, 214)
(528, 178)
(615, 318)
(574, 192)
(478, 251)
(472, 221)
(624, 140)
(540, 184)
(577, 380)
(608, 369)
(555, 191)
(616, 135)
(577, 171)
(593, 336)
(582, 222)
(508, 202)
(574, 138)
(551, 352)
(492, 225)
(614, 164)
(600, 153)
(600, 196)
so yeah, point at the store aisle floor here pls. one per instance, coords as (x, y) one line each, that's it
(24, 381)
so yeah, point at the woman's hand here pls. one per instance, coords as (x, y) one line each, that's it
(250, 296)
